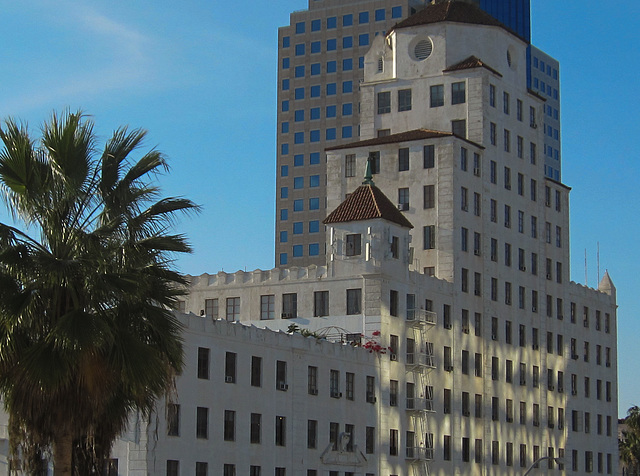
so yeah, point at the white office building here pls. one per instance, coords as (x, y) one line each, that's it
(441, 333)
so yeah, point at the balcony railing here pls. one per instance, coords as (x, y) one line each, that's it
(421, 359)
(419, 453)
(420, 405)
(420, 316)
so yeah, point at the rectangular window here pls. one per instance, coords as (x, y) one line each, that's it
(370, 385)
(393, 442)
(230, 367)
(267, 307)
(349, 385)
(354, 301)
(464, 199)
(520, 147)
(312, 380)
(211, 308)
(404, 100)
(255, 432)
(393, 302)
(429, 196)
(370, 438)
(202, 422)
(393, 393)
(289, 306)
(458, 95)
(233, 308)
(477, 204)
(437, 95)
(403, 198)
(429, 237)
(229, 428)
(281, 426)
(384, 102)
(350, 165)
(334, 384)
(320, 303)
(353, 244)
(459, 128)
(403, 159)
(446, 448)
(256, 371)
(428, 156)
(312, 434)
(173, 467)
(281, 375)
(203, 363)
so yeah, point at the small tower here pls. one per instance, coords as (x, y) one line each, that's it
(367, 233)
(606, 285)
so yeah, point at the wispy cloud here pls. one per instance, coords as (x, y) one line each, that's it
(100, 55)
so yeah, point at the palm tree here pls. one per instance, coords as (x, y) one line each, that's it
(629, 444)
(87, 285)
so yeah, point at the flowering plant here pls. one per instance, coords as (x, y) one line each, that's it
(372, 345)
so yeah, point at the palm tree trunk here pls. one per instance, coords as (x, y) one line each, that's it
(62, 454)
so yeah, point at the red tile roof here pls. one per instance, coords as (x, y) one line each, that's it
(451, 11)
(365, 203)
(470, 63)
(416, 134)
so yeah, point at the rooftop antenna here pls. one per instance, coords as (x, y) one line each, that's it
(598, 260)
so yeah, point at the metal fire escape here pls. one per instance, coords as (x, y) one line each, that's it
(420, 362)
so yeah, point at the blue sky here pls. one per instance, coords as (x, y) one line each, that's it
(200, 75)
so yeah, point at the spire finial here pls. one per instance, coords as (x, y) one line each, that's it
(368, 175)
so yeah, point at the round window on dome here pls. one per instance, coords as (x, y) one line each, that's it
(423, 48)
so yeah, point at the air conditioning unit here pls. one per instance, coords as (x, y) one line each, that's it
(371, 398)
(335, 394)
(393, 356)
(548, 275)
(523, 268)
(228, 379)
(282, 386)
(448, 368)
(551, 388)
(509, 419)
(534, 125)
(286, 315)
(476, 252)
(494, 337)
(560, 389)
(535, 346)
(476, 171)
(465, 413)
(574, 392)
(313, 391)
(403, 206)
(476, 292)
